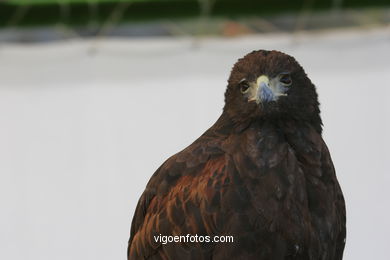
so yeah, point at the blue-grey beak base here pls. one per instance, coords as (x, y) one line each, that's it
(266, 94)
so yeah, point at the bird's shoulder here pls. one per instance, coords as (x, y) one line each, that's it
(189, 161)
(204, 156)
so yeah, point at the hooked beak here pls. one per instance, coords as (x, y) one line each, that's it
(264, 91)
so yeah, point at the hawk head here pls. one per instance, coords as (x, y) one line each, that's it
(270, 85)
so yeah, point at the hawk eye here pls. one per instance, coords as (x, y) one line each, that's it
(244, 87)
(285, 78)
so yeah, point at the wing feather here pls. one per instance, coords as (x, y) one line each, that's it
(171, 202)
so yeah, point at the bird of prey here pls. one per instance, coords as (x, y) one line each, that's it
(261, 174)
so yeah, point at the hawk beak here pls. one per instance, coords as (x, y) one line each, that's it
(262, 91)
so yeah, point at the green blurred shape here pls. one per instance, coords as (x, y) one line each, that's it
(78, 12)
(44, 2)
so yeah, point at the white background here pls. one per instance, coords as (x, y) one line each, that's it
(84, 124)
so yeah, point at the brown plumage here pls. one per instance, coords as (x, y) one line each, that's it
(261, 173)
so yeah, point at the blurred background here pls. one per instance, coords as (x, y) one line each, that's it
(96, 94)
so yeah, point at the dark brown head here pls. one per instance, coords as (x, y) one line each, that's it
(270, 85)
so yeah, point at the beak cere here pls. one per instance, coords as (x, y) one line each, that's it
(265, 90)
(262, 91)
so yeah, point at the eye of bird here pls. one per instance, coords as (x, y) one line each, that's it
(285, 78)
(244, 87)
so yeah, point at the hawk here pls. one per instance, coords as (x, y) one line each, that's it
(261, 174)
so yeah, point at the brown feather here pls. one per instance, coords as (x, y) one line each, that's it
(261, 174)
